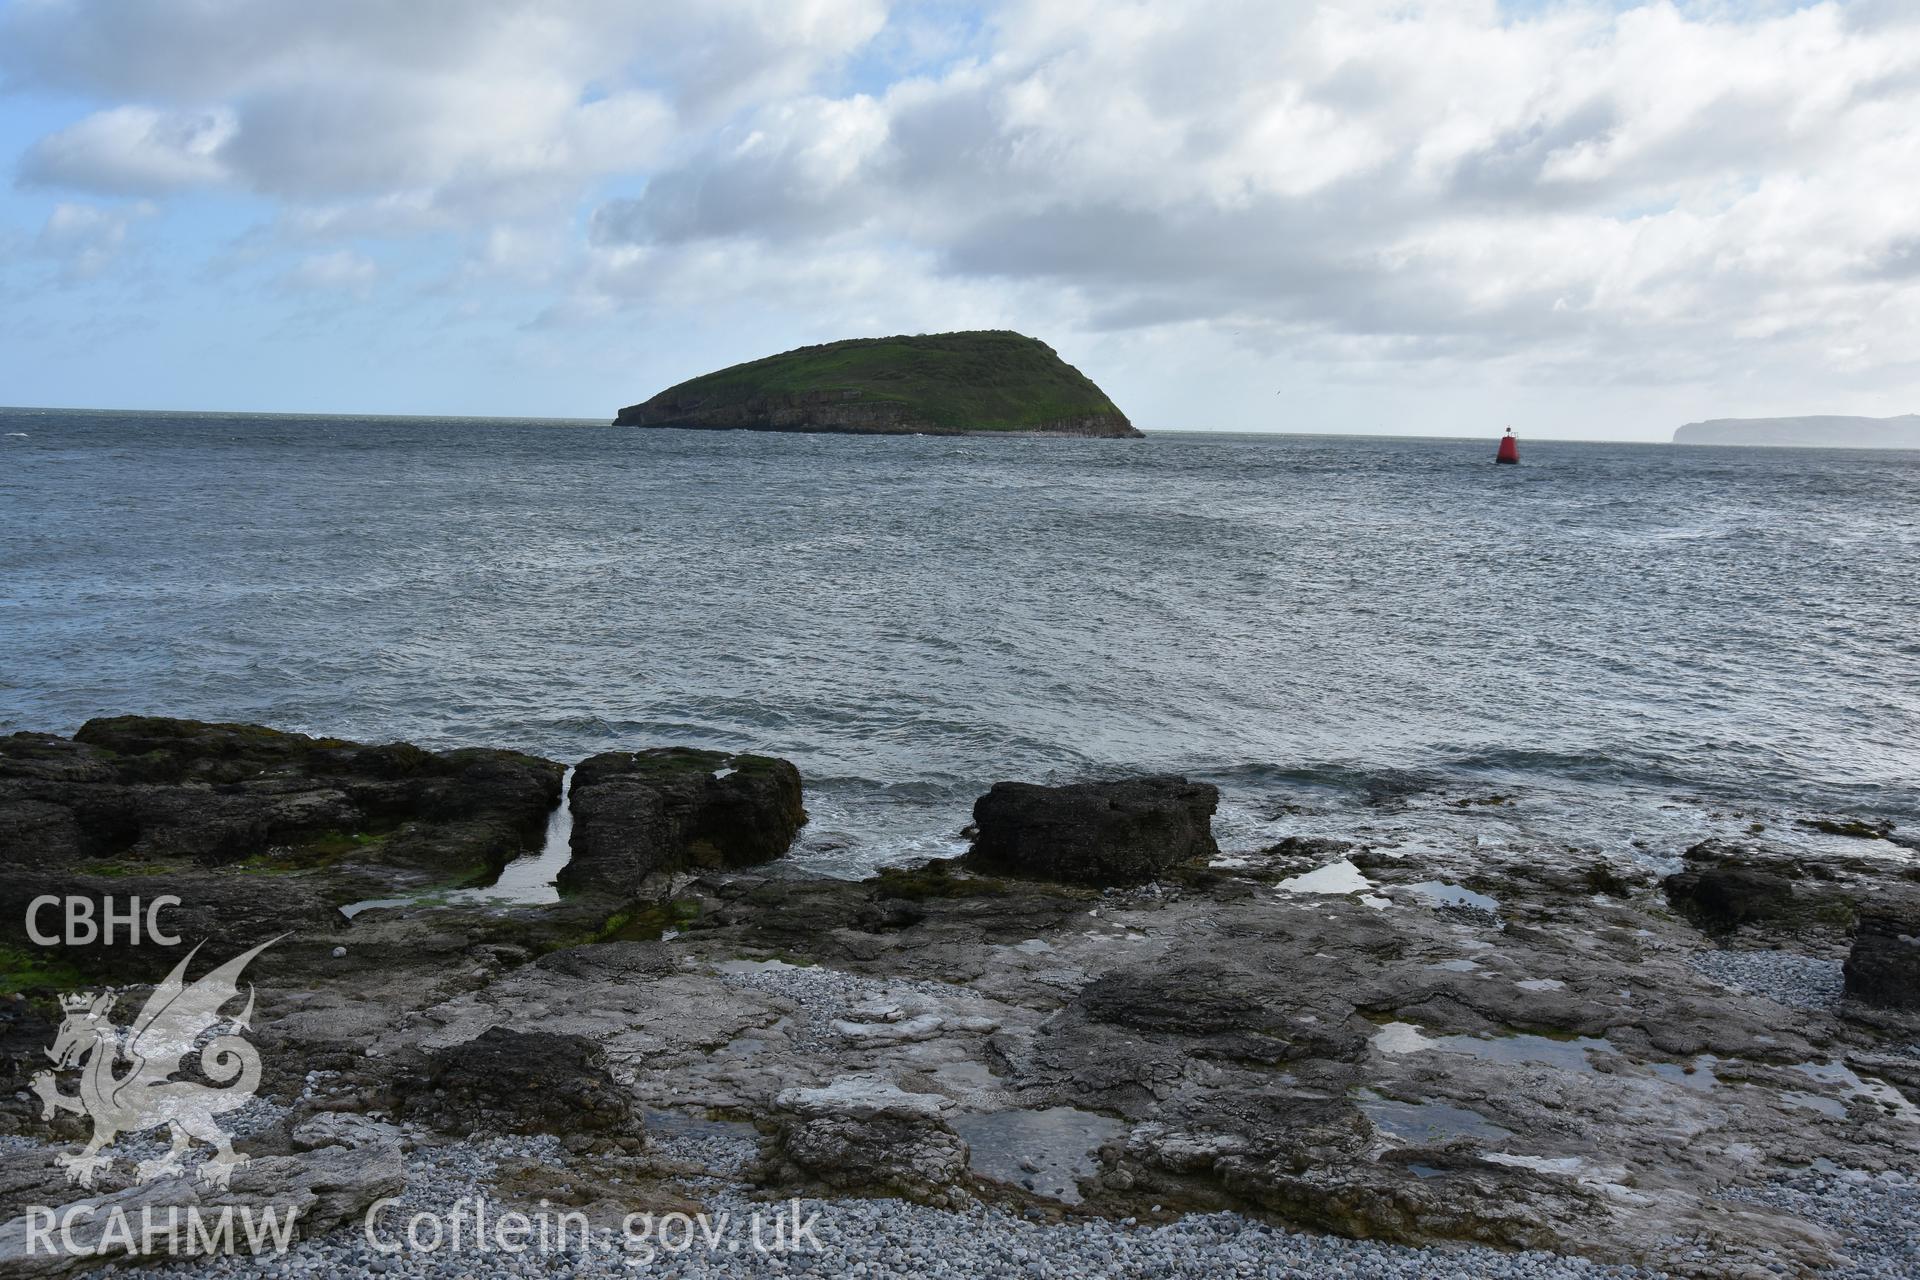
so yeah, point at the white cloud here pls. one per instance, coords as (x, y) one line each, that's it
(134, 150)
(1613, 192)
(342, 270)
(1585, 191)
(85, 239)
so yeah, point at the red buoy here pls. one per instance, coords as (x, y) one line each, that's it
(1509, 448)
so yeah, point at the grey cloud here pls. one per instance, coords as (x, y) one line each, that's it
(1512, 167)
(492, 106)
(1291, 266)
(719, 53)
(1730, 135)
(1435, 182)
(1899, 261)
(1604, 218)
(201, 49)
(1882, 15)
(942, 137)
(378, 138)
(766, 200)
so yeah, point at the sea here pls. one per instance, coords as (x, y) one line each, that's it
(1612, 649)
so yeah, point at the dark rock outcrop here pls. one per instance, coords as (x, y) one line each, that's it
(506, 1081)
(140, 789)
(1189, 1000)
(224, 911)
(255, 832)
(636, 813)
(1720, 899)
(1215, 1042)
(1728, 887)
(1884, 966)
(1093, 833)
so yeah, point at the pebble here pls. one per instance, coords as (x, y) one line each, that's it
(895, 1240)
(1799, 982)
(1873, 1214)
(875, 1239)
(828, 995)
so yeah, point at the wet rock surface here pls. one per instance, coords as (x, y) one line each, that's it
(1488, 1061)
(1729, 889)
(1724, 898)
(1104, 834)
(1883, 968)
(257, 832)
(146, 790)
(227, 911)
(638, 814)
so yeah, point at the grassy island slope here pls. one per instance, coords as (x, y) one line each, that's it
(942, 384)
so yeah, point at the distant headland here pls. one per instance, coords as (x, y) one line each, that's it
(986, 382)
(1815, 432)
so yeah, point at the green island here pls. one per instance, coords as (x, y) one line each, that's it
(990, 381)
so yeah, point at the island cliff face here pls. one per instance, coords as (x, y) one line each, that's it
(1813, 432)
(987, 382)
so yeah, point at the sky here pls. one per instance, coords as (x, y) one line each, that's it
(1581, 218)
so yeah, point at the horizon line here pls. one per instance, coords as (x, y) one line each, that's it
(570, 420)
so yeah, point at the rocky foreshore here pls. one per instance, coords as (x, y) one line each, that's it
(1094, 1045)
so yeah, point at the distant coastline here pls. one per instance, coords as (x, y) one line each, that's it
(1818, 432)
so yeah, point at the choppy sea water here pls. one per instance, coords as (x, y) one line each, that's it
(1639, 645)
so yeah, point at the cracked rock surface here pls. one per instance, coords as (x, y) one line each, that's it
(1312, 1057)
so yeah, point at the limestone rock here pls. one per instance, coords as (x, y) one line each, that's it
(344, 1129)
(1723, 898)
(1728, 887)
(637, 813)
(522, 1082)
(143, 789)
(1884, 966)
(864, 1133)
(226, 912)
(321, 1189)
(1093, 833)
(624, 961)
(257, 832)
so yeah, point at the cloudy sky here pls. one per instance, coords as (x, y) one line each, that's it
(1586, 218)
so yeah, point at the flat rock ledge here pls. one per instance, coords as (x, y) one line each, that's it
(506, 1081)
(1101, 1039)
(314, 1192)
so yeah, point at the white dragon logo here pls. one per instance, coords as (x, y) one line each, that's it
(144, 1097)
